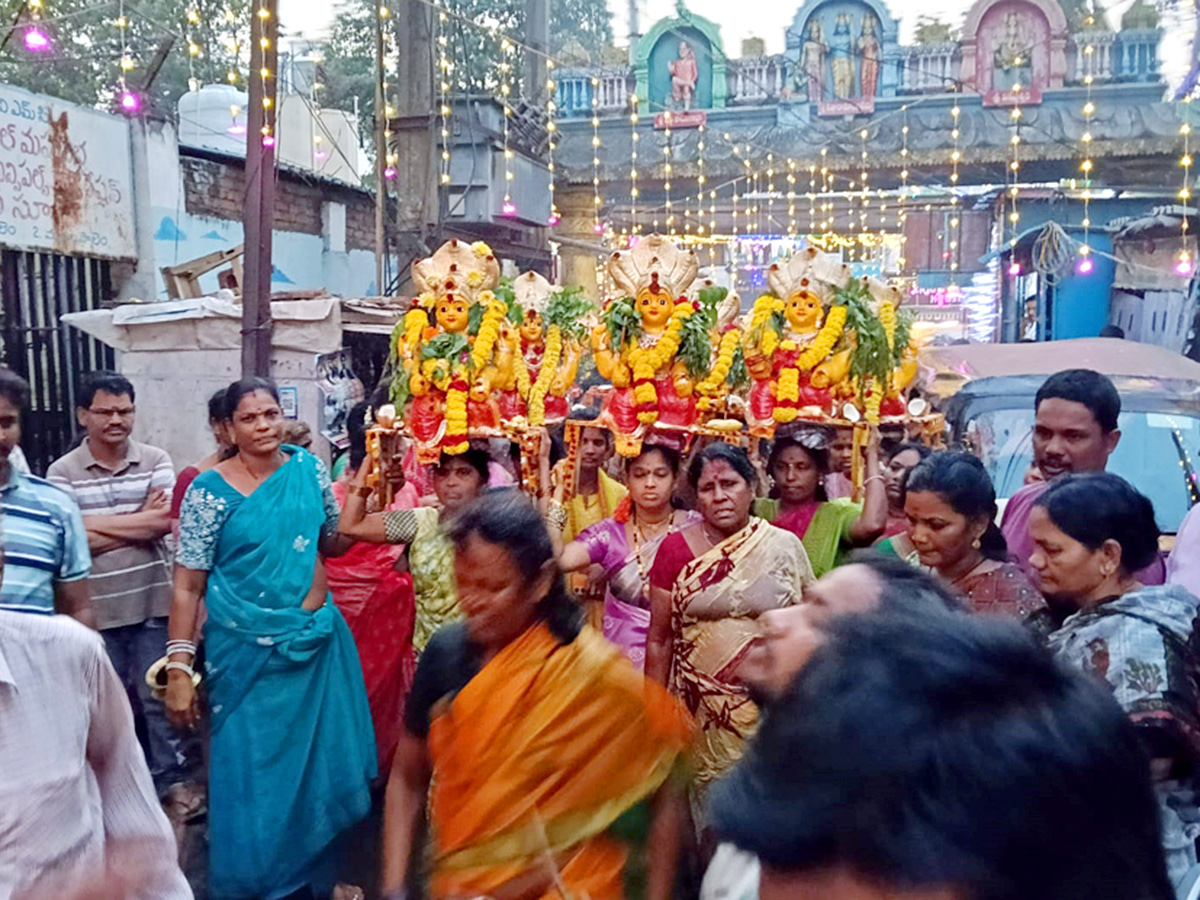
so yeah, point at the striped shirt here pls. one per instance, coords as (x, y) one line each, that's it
(44, 542)
(133, 582)
(75, 794)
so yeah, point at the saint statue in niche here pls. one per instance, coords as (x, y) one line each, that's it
(684, 75)
(1012, 59)
(812, 60)
(869, 52)
(841, 65)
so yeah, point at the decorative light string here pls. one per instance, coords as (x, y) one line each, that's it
(812, 199)
(234, 46)
(508, 208)
(826, 221)
(955, 213)
(634, 137)
(552, 140)
(129, 101)
(755, 195)
(1183, 264)
(902, 200)
(192, 17)
(791, 199)
(864, 194)
(390, 157)
(265, 74)
(670, 211)
(770, 194)
(1014, 167)
(1085, 265)
(701, 178)
(444, 70)
(35, 39)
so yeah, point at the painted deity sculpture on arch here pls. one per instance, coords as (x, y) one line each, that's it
(637, 345)
(684, 72)
(1013, 56)
(869, 51)
(841, 63)
(812, 60)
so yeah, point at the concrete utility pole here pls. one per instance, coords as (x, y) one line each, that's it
(415, 132)
(537, 36)
(258, 220)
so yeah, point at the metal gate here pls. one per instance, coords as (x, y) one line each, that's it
(35, 290)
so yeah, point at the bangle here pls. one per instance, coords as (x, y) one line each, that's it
(556, 515)
(174, 666)
(872, 478)
(181, 646)
(364, 490)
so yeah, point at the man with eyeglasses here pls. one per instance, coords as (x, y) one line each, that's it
(123, 488)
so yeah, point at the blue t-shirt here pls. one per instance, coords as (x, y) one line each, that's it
(45, 542)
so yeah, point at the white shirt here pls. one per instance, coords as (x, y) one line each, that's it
(77, 806)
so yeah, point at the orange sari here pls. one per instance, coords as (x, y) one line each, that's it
(536, 757)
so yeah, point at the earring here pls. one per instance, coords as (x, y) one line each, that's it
(977, 543)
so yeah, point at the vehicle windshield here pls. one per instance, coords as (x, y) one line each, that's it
(1157, 454)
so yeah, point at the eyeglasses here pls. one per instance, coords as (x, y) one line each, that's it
(109, 413)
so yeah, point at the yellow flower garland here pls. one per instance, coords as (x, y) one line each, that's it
(537, 394)
(887, 318)
(873, 400)
(818, 350)
(489, 331)
(760, 315)
(521, 374)
(787, 395)
(456, 417)
(415, 321)
(720, 370)
(647, 361)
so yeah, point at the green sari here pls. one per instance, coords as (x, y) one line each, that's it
(823, 528)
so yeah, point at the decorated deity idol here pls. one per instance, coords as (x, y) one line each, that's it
(550, 325)
(453, 348)
(644, 344)
(790, 338)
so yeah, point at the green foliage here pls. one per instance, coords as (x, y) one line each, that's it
(568, 309)
(348, 71)
(474, 318)
(695, 339)
(84, 64)
(871, 355)
(623, 323)
(932, 30)
(446, 346)
(739, 375)
(904, 324)
(586, 22)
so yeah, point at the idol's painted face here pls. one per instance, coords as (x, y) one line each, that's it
(453, 313)
(654, 308)
(803, 311)
(531, 326)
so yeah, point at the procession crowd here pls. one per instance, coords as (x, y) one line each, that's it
(701, 670)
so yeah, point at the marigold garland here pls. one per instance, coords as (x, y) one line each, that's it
(818, 350)
(887, 318)
(787, 395)
(537, 394)
(646, 362)
(521, 374)
(415, 321)
(489, 331)
(456, 441)
(724, 362)
(873, 400)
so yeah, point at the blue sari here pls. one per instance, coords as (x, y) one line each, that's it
(293, 750)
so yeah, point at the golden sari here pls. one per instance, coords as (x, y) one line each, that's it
(535, 758)
(715, 604)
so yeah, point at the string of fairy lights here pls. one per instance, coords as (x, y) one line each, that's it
(1085, 264)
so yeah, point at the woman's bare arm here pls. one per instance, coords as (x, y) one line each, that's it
(355, 522)
(873, 519)
(666, 830)
(404, 802)
(659, 638)
(190, 585)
